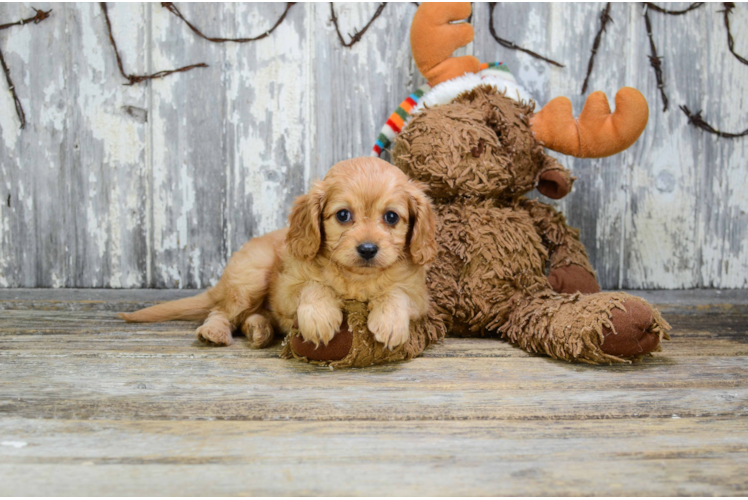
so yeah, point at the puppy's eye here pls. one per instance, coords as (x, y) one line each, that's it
(343, 216)
(391, 218)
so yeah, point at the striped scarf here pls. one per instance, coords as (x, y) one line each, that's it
(496, 74)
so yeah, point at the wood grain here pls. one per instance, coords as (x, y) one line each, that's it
(83, 330)
(155, 185)
(90, 405)
(699, 456)
(77, 178)
(138, 387)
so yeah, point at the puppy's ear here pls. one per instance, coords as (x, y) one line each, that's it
(422, 236)
(305, 224)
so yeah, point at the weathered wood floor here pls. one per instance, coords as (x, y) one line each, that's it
(92, 406)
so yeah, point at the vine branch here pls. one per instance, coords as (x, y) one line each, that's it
(16, 100)
(657, 8)
(604, 20)
(133, 79)
(655, 61)
(40, 16)
(173, 9)
(730, 42)
(356, 37)
(512, 45)
(697, 121)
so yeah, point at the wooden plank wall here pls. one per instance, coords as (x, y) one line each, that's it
(156, 184)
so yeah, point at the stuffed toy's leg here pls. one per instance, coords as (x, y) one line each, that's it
(608, 327)
(570, 269)
(354, 346)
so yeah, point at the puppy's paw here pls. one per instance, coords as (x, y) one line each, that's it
(391, 328)
(216, 334)
(319, 323)
(258, 330)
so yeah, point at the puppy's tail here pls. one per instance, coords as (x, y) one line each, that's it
(194, 308)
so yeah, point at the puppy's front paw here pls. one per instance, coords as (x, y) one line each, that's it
(391, 329)
(215, 334)
(258, 330)
(319, 323)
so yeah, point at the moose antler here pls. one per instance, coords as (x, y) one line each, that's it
(433, 40)
(597, 132)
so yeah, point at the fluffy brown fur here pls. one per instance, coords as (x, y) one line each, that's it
(479, 156)
(303, 274)
(358, 347)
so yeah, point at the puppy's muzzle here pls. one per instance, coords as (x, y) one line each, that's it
(367, 250)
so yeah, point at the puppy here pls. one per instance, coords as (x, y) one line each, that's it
(365, 233)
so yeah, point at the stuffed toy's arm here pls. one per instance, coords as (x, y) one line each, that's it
(570, 269)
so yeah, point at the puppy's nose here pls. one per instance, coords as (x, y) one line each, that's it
(367, 250)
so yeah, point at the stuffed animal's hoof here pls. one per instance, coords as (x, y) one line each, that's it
(633, 331)
(354, 345)
(335, 350)
(572, 279)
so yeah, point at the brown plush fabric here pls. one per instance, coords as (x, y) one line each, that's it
(633, 333)
(572, 279)
(554, 184)
(573, 327)
(561, 240)
(364, 350)
(480, 154)
(335, 350)
(480, 157)
(437, 147)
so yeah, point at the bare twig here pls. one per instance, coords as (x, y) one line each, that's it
(16, 100)
(173, 9)
(730, 42)
(133, 79)
(604, 20)
(512, 45)
(655, 61)
(39, 17)
(697, 121)
(357, 34)
(657, 8)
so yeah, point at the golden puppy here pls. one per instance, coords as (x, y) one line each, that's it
(365, 233)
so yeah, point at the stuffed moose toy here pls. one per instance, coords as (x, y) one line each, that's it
(507, 266)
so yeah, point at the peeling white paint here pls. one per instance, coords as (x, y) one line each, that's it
(296, 102)
(53, 115)
(9, 122)
(663, 227)
(5, 241)
(19, 43)
(57, 281)
(14, 444)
